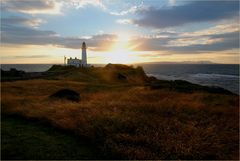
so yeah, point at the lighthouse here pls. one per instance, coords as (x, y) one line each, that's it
(84, 54)
(78, 62)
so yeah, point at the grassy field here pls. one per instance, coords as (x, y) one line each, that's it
(132, 121)
(27, 139)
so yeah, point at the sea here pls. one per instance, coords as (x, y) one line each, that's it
(221, 75)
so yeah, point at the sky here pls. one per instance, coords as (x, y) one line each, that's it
(119, 31)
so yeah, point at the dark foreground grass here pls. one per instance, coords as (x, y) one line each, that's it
(126, 114)
(128, 123)
(24, 139)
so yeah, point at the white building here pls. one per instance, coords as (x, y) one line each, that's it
(74, 62)
(78, 62)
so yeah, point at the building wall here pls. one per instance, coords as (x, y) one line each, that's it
(74, 62)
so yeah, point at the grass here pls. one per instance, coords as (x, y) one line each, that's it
(110, 74)
(133, 121)
(27, 139)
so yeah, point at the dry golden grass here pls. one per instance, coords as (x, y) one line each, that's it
(134, 122)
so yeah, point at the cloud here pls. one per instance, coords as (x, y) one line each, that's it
(226, 27)
(15, 20)
(188, 41)
(197, 11)
(218, 38)
(165, 41)
(23, 35)
(55, 6)
(132, 9)
(228, 41)
(82, 3)
(124, 21)
(108, 6)
(224, 36)
(30, 56)
(32, 6)
(172, 2)
(46, 6)
(201, 44)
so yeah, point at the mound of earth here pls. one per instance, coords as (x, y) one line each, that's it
(66, 94)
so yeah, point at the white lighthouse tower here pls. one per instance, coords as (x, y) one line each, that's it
(84, 54)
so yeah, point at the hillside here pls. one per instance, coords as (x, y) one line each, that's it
(128, 115)
(111, 74)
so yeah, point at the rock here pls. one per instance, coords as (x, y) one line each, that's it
(121, 76)
(66, 94)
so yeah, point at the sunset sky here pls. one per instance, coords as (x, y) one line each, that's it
(119, 31)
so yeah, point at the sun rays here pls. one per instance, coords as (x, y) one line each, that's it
(122, 50)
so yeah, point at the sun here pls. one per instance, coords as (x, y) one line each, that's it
(120, 52)
(123, 37)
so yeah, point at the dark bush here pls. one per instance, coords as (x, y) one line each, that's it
(121, 76)
(66, 94)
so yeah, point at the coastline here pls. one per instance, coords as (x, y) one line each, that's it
(225, 80)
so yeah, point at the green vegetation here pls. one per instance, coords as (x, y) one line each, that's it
(130, 118)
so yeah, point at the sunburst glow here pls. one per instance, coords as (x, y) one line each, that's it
(121, 51)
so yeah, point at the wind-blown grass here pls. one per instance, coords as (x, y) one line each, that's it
(134, 122)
